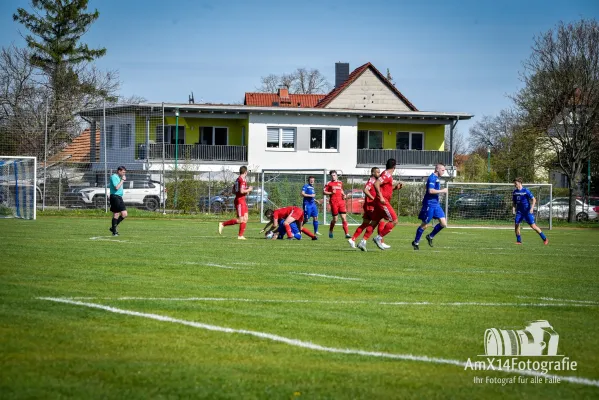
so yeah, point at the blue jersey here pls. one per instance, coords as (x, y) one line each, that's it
(521, 199)
(308, 189)
(431, 183)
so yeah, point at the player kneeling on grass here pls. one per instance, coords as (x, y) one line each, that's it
(523, 208)
(431, 207)
(288, 215)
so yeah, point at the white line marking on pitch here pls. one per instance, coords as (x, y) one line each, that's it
(107, 239)
(312, 346)
(209, 265)
(552, 299)
(388, 303)
(326, 276)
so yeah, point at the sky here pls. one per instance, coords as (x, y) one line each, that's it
(448, 56)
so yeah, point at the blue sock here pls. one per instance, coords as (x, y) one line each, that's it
(518, 239)
(436, 230)
(315, 223)
(542, 235)
(419, 233)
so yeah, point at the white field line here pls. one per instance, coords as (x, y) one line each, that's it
(107, 239)
(552, 299)
(208, 265)
(326, 276)
(312, 346)
(387, 303)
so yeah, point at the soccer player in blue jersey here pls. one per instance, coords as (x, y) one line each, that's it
(310, 204)
(523, 208)
(431, 207)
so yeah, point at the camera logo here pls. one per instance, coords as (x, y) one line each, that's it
(537, 339)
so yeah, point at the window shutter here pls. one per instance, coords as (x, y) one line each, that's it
(288, 138)
(272, 137)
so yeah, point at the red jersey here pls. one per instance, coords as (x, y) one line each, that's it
(370, 189)
(335, 187)
(283, 213)
(240, 184)
(386, 188)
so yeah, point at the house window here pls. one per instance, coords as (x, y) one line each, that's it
(125, 133)
(409, 141)
(214, 136)
(170, 134)
(110, 136)
(370, 139)
(280, 138)
(324, 139)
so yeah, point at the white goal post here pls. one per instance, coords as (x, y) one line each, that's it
(490, 204)
(18, 190)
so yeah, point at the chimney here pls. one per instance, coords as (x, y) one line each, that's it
(283, 92)
(341, 73)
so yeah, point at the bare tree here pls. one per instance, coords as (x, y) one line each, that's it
(301, 81)
(561, 96)
(495, 131)
(460, 146)
(389, 77)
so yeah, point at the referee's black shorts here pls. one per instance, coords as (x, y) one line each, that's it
(117, 204)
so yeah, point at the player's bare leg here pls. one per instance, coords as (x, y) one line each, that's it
(358, 232)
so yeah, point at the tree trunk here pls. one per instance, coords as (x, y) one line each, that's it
(572, 207)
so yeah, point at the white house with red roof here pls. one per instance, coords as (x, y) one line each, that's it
(361, 123)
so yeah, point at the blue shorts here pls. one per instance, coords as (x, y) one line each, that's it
(524, 215)
(310, 210)
(427, 213)
(294, 229)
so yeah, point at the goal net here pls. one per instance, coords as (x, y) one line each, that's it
(17, 187)
(490, 204)
(283, 187)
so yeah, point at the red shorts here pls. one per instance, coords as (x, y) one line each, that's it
(338, 207)
(297, 214)
(240, 206)
(384, 211)
(368, 211)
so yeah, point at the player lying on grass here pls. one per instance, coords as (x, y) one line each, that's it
(431, 207)
(523, 208)
(281, 232)
(288, 215)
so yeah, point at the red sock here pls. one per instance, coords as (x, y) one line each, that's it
(307, 232)
(388, 228)
(332, 226)
(359, 230)
(230, 222)
(288, 230)
(242, 228)
(381, 226)
(345, 229)
(368, 232)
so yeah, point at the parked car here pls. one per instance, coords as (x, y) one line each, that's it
(481, 204)
(135, 192)
(224, 201)
(560, 206)
(354, 201)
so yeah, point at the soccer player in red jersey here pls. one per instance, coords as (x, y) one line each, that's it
(384, 187)
(241, 190)
(370, 194)
(288, 215)
(334, 189)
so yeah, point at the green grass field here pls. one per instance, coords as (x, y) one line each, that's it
(316, 297)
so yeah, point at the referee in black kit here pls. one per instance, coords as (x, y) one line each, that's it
(117, 205)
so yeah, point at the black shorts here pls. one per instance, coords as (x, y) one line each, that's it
(117, 204)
